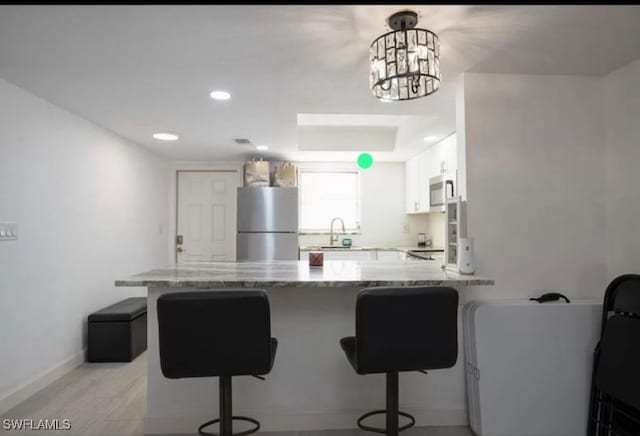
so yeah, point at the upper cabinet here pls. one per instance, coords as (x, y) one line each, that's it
(411, 185)
(439, 159)
(428, 166)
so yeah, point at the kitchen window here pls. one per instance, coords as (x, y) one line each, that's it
(325, 195)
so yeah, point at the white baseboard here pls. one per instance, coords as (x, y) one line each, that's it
(304, 421)
(15, 396)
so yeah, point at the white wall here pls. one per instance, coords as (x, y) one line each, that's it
(91, 208)
(622, 103)
(535, 183)
(461, 135)
(383, 218)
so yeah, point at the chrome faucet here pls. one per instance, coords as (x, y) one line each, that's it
(333, 237)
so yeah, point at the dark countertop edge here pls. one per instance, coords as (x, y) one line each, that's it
(471, 281)
(358, 248)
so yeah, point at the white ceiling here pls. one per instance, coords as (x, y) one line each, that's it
(141, 69)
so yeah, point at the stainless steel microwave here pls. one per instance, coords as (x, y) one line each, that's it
(439, 190)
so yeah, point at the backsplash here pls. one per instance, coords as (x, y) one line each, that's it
(431, 224)
(435, 229)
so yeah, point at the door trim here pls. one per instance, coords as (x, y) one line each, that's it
(177, 200)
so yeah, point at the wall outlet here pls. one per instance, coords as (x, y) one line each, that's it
(8, 231)
(405, 228)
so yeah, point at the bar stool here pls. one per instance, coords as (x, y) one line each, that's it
(221, 334)
(402, 329)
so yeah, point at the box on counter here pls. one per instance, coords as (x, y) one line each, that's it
(316, 258)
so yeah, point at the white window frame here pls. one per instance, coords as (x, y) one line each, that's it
(331, 169)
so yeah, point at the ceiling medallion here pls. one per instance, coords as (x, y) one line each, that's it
(405, 63)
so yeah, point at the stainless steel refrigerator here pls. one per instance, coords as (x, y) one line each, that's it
(267, 224)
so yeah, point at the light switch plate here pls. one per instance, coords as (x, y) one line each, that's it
(8, 231)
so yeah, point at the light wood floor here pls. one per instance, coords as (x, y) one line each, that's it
(110, 399)
(98, 398)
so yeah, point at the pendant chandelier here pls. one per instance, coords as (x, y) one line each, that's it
(405, 63)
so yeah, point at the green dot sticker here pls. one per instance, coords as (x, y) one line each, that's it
(365, 160)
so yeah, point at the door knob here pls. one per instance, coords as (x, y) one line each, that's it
(179, 250)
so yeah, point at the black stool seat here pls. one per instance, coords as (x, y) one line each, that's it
(222, 333)
(402, 329)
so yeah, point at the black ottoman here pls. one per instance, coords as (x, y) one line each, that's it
(118, 333)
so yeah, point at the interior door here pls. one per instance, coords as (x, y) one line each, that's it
(206, 218)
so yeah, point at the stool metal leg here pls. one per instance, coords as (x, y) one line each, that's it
(226, 423)
(226, 415)
(392, 404)
(392, 412)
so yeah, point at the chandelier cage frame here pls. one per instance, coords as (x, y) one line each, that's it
(405, 64)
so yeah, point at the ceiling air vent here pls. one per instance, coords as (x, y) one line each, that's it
(242, 141)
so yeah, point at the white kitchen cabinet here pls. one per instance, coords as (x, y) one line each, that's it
(426, 166)
(388, 255)
(439, 159)
(412, 184)
(418, 169)
(391, 255)
(431, 162)
(350, 255)
(443, 156)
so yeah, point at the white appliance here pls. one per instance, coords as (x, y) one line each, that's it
(528, 366)
(267, 222)
(439, 190)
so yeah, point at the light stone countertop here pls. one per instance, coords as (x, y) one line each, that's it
(414, 251)
(292, 273)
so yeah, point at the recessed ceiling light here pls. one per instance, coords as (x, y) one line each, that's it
(220, 95)
(430, 138)
(262, 147)
(166, 136)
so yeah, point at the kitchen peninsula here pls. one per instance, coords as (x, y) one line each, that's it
(311, 385)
